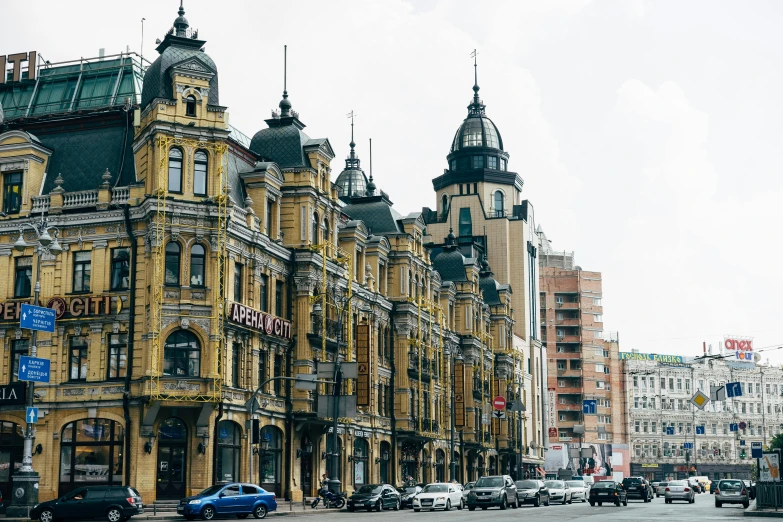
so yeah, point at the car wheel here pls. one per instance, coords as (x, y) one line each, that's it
(448, 505)
(242, 515)
(718, 504)
(208, 513)
(600, 504)
(378, 506)
(537, 502)
(471, 508)
(47, 515)
(397, 505)
(113, 515)
(504, 504)
(259, 511)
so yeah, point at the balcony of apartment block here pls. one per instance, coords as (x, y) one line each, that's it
(569, 406)
(317, 330)
(569, 305)
(569, 339)
(569, 372)
(478, 387)
(570, 388)
(424, 372)
(80, 199)
(567, 321)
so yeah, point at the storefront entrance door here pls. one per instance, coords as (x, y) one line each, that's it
(171, 472)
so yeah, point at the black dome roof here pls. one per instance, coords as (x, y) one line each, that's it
(477, 131)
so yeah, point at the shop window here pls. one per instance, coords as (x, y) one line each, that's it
(82, 266)
(175, 171)
(19, 347)
(200, 164)
(270, 466)
(190, 106)
(228, 457)
(237, 282)
(197, 260)
(91, 454)
(12, 192)
(172, 263)
(120, 268)
(78, 359)
(182, 354)
(118, 356)
(360, 458)
(279, 298)
(23, 277)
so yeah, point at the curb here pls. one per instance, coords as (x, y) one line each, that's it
(180, 518)
(752, 511)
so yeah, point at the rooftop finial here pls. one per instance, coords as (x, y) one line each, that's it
(352, 161)
(352, 144)
(473, 55)
(285, 105)
(371, 184)
(181, 23)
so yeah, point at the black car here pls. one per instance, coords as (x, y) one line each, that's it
(608, 491)
(532, 492)
(113, 503)
(406, 495)
(751, 487)
(638, 487)
(374, 496)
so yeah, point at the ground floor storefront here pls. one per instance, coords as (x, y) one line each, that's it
(660, 472)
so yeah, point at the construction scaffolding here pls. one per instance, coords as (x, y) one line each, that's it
(214, 226)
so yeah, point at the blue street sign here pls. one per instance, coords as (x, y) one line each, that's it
(756, 450)
(742, 442)
(37, 318)
(733, 389)
(669, 430)
(32, 415)
(590, 407)
(687, 445)
(33, 369)
(699, 430)
(733, 427)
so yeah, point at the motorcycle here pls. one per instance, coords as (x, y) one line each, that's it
(330, 500)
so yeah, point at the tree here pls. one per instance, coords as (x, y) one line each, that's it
(776, 442)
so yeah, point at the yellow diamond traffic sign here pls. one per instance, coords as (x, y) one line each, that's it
(700, 400)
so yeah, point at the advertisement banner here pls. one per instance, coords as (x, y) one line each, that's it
(741, 347)
(770, 468)
(363, 365)
(654, 357)
(459, 394)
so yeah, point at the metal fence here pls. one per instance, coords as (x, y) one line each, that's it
(769, 495)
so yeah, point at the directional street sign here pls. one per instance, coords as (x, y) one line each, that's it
(590, 407)
(687, 445)
(499, 414)
(733, 389)
(699, 430)
(733, 427)
(669, 430)
(306, 381)
(756, 450)
(33, 369)
(37, 318)
(700, 400)
(32, 415)
(499, 403)
(717, 393)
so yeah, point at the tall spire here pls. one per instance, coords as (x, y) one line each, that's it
(371, 183)
(476, 108)
(285, 104)
(352, 161)
(181, 23)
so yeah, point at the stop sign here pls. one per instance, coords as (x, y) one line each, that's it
(499, 403)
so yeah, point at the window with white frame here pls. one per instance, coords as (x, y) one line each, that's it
(599, 368)
(637, 426)
(599, 352)
(596, 301)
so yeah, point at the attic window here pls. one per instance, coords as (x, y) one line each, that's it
(190, 106)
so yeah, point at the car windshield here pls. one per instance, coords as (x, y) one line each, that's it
(489, 482)
(730, 484)
(575, 483)
(677, 483)
(554, 484)
(469, 485)
(435, 488)
(370, 488)
(663, 483)
(604, 485)
(527, 484)
(412, 489)
(211, 490)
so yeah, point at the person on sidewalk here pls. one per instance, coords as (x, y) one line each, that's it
(324, 484)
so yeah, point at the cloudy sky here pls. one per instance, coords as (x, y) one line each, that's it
(647, 133)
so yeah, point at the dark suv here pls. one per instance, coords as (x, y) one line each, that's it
(113, 503)
(498, 490)
(638, 487)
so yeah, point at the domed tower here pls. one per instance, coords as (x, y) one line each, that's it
(352, 182)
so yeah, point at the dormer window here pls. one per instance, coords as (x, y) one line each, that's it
(492, 162)
(12, 192)
(190, 106)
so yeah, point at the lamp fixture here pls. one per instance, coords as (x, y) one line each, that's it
(255, 451)
(20, 245)
(202, 448)
(148, 444)
(377, 460)
(38, 449)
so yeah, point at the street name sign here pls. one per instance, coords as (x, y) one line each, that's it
(33, 369)
(37, 318)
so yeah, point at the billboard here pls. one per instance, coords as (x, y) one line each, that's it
(655, 357)
(742, 347)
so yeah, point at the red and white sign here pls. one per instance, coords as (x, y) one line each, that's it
(553, 432)
(499, 403)
(741, 346)
(557, 447)
(263, 322)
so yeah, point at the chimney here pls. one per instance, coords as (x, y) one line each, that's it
(101, 53)
(704, 347)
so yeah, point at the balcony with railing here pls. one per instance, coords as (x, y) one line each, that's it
(80, 199)
(332, 329)
(429, 369)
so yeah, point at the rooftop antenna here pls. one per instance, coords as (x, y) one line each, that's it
(370, 159)
(142, 42)
(285, 71)
(371, 183)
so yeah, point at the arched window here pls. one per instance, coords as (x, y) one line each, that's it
(444, 203)
(200, 173)
(182, 354)
(91, 454)
(228, 458)
(190, 106)
(314, 235)
(326, 231)
(498, 203)
(385, 458)
(270, 459)
(197, 259)
(175, 171)
(440, 466)
(360, 455)
(172, 263)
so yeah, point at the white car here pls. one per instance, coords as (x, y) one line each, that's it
(438, 496)
(559, 491)
(466, 490)
(578, 490)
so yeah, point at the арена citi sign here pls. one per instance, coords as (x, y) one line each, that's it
(261, 321)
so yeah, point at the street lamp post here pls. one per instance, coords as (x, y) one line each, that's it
(452, 463)
(25, 481)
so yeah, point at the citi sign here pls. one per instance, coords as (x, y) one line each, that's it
(742, 348)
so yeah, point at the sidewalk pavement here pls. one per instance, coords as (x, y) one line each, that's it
(752, 511)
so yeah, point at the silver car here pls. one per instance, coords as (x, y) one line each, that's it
(679, 490)
(660, 489)
(578, 490)
(731, 491)
(559, 491)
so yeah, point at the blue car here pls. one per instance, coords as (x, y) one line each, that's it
(236, 499)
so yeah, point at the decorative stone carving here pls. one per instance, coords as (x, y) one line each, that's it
(18, 333)
(184, 323)
(114, 389)
(73, 392)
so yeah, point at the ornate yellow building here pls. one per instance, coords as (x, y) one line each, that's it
(203, 270)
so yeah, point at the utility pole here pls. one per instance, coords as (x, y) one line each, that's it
(334, 482)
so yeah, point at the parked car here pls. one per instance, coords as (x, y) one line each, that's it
(466, 490)
(406, 495)
(608, 491)
(749, 485)
(497, 490)
(589, 480)
(221, 499)
(638, 487)
(661, 489)
(694, 483)
(578, 490)
(438, 496)
(113, 503)
(731, 491)
(375, 496)
(532, 492)
(559, 491)
(680, 490)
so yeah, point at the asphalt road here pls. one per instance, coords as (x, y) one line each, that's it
(657, 510)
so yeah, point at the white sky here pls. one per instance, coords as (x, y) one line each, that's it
(647, 133)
